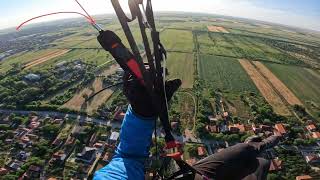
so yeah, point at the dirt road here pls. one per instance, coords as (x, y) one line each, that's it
(45, 58)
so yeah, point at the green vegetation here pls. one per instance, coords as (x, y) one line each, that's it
(224, 73)
(301, 82)
(177, 40)
(180, 65)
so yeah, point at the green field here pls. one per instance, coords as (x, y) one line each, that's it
(224, 73)
(96, 57)
(241, 46)
(181, 65)
(300, 81)
(21, 58)
(177, 40)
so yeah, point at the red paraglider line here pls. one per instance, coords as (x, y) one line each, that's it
(91, 21)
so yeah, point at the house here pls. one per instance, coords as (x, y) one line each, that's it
(57, 142)
(22, 155)
(213, 119)
(98, 145)
(315, 135)
(212, 129)
(3, 171)
(237, 128)
(14, 165)
(59, 156)
(32, 173)
(21, 132)
(107, 157)
(58, 121)
(32, 77)
(201, 151)
(119, 114)
(304, 177)
(113, 138)
(275, 165)
(280, 128)
(311, 128)
(191, 161)
(25, 139)
(88, 155)
(312, 158)
(174, 125)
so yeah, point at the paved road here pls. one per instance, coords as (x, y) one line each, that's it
(79, 118)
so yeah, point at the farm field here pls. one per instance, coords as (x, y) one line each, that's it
(224, 73)
(177, 40)
(241, 46)
(181, 65)
(22, 58)
(300, 81)
(217, 29)
(265, 88)
(45, 58)
(90, 56)
(78, 101)
(277, 84)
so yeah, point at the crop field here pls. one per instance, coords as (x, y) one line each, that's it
(90, 56)
(78, 101)
(181, 65)
(224, 73)
(21, 58)
(45, 58)
(277, 84)
(265, 88)
(177, 40)
(239, 46)
(300, 81)
(217, 29)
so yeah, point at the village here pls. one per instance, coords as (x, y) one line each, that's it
(62, 147)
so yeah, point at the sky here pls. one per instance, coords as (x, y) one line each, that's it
(298, 13)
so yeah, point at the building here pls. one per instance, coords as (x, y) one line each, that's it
(59, 156)
(237, 128)
(32, 173)
(311, 128)
(304, 177)
(3, 171)
(32, 77)
(201, 151)
(88, 155)
(14, 165)
(312, 158)
(280, 128)
(191, 161)
(119, 114)
(315, 135)
(275, 165)
(212, 129)
(114, 138)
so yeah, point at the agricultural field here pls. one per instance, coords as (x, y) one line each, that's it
(224, 73)
(265, 88)
(241, 46)
(177, 40)
(181, 65)
(78, 101)
(305, 85)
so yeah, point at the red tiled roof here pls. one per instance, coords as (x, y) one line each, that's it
(275, 165)
(280, 128)
(311, 127)
(191, 161)
(316, 135)
(304, 177)
(201, 151)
